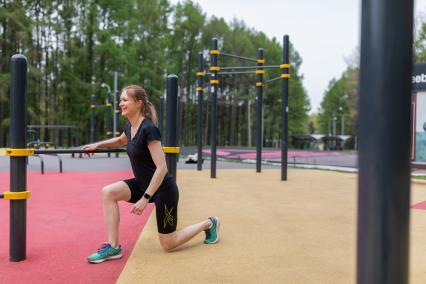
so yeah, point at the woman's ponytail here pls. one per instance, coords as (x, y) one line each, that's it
(151, 113)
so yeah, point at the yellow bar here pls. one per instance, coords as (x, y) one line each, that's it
(19, 152)
(117, 133)
(261, 61)
(199, 89)
(20, 195)
(259, 84)
(171, 150)
(260, 71)
(92, 106)
(215, 68)
(285, 76)
(108, 105)
(214, 82)
(285, 66)
(214, 52)
(117, 110)
(108, 132)
(200, 74)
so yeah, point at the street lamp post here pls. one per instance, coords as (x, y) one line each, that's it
(108, 106)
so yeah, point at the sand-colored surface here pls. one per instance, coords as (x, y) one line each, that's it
(299, 231)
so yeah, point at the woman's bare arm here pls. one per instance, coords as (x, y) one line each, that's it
(110, 143)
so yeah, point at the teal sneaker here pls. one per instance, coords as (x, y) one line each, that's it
(212, 234)
(105, 252)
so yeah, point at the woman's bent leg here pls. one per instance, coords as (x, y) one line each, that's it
(177, 238)
(111, 194)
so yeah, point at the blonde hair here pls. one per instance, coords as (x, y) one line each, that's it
(139, 94)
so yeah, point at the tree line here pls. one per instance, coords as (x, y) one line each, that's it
(73, 47)
(341, 97)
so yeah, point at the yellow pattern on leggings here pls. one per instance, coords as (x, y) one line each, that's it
(168, 219)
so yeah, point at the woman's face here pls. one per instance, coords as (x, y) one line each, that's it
(129, 107)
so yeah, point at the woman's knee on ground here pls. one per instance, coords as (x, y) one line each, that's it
(168, 242)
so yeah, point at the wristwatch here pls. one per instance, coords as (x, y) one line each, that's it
(147, 196)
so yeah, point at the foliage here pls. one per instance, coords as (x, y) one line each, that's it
(73, 47)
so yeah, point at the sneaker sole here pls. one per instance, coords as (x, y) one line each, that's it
(217, 232)
(117, 256)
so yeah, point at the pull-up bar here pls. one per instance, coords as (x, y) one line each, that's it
(249, 67)
(238, 56)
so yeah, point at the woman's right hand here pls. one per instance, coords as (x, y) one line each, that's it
(90, 148)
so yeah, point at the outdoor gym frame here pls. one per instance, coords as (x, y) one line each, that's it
(259, 70)
(19, 152)
(384, 115)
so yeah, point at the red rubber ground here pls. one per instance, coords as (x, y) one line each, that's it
(64, 225)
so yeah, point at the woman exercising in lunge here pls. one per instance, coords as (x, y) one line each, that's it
(152, 182)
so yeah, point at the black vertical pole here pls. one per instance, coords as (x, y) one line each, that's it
(109, 118)
(259, 105)
(69, 142)
(116, 116)
(1, 121)
(161, 114)
(171, 121)
(200, 89)
(18, 167)
(285, 75)
(214, 83)
(384, 144)
(92, 118)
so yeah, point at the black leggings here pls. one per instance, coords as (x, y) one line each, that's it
(166, 200)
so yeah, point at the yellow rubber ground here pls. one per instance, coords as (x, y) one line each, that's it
(299, 231)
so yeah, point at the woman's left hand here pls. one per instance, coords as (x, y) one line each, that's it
(139, 206)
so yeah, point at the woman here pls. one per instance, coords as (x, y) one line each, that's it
(151, 183)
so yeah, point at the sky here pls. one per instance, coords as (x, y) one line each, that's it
(325, 33)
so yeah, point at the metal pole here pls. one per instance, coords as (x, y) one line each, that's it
(259, 114)
(116, 110)
(1, 121)
(200, 89)
(109, 115)
(114, 127)
(92, 118)
(285, 75)
(384, 143)
(18, 166)
(249, 122)
(334, 124)
(171, 121)
(161, 114)
(214, 83)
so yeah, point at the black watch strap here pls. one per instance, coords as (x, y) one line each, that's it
(147, 196)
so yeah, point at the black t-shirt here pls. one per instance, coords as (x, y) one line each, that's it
(140, 158)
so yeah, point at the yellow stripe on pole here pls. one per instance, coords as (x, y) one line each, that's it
(200, 89)
(171, 150)
(259, 84)
(215, 68)
(214, 82)
(217, 52)
(260, 71)
(108, 105)
(200, 74)
(19, 195)
(261, 61)
(285, 66)
(19, 152)
(285, 76)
